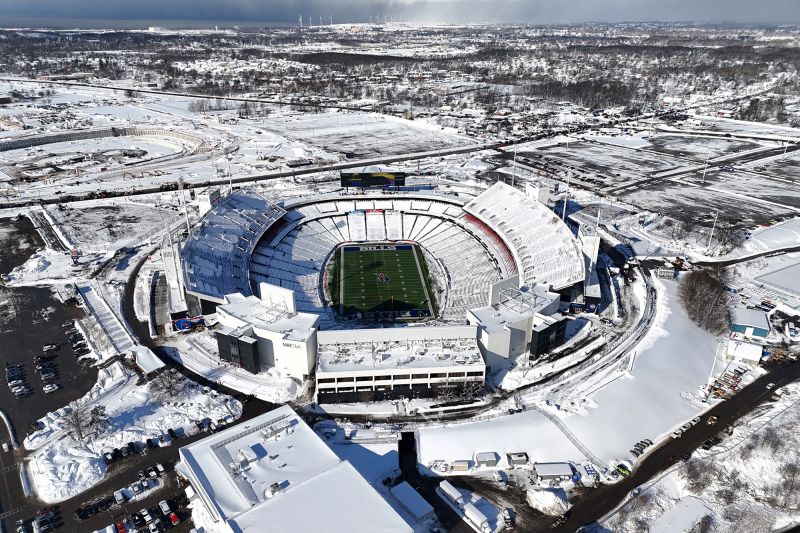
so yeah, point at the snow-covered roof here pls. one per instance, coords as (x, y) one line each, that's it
(146, 359)
(216, 255)
(543, 246)
(272, 473)
(514, 306)
(744, 351)
(268, 315)
(553, 469)
(750, 317)
(390, 348)
(783, 279)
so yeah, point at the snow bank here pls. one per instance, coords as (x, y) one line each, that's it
(551, 502)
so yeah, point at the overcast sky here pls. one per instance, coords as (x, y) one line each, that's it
(489, 11)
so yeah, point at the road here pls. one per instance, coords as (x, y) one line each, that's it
(600, 501)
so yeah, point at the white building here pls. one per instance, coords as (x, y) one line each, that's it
(267, 332)
(381, 364)
(517, 321)
(274, 474)
(743, 351)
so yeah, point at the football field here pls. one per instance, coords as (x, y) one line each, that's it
(382, 281)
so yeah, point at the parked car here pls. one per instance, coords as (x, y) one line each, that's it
(51, 387)
(146, 516)
(119, 497)
(712, 420)
(120, 526)
(677, 433)
(160, 469)
(174, 519)
(164, 506)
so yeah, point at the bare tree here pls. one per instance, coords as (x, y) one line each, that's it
(685, 225)
(82, 420)
(729, 237)
(167, 385)
(705, 298)
(699, 475)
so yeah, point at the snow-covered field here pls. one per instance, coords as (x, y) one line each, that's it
(60, 467)
(360, 135)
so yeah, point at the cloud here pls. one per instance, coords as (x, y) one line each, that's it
(456, 11)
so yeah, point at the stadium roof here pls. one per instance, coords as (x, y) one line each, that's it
(274, 474)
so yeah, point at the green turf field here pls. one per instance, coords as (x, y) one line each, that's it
(381, 281)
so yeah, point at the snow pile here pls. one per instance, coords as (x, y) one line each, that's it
(197, 352)
(551, 502)
(49, 266)
(60, 468)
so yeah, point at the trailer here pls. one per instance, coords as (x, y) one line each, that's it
(452, 493)
(477, 518)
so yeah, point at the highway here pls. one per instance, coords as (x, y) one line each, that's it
(124, 190)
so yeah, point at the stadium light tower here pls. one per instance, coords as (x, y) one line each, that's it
(566, 200)
(185, 207)
(514, 173)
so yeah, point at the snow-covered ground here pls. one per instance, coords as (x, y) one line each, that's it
(671, 365)
(198, 353)
(529, 432)
(60, 467)
(748, 482)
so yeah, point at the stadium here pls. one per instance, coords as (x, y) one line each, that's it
(501, 261)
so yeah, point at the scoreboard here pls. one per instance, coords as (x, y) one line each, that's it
(373, 179)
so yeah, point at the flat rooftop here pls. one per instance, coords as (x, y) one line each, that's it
(270, 315)
(338, 353)
(266, 474)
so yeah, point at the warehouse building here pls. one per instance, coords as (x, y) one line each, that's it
(265, 475)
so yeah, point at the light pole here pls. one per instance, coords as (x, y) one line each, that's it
(705, 167)
(711, 235)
